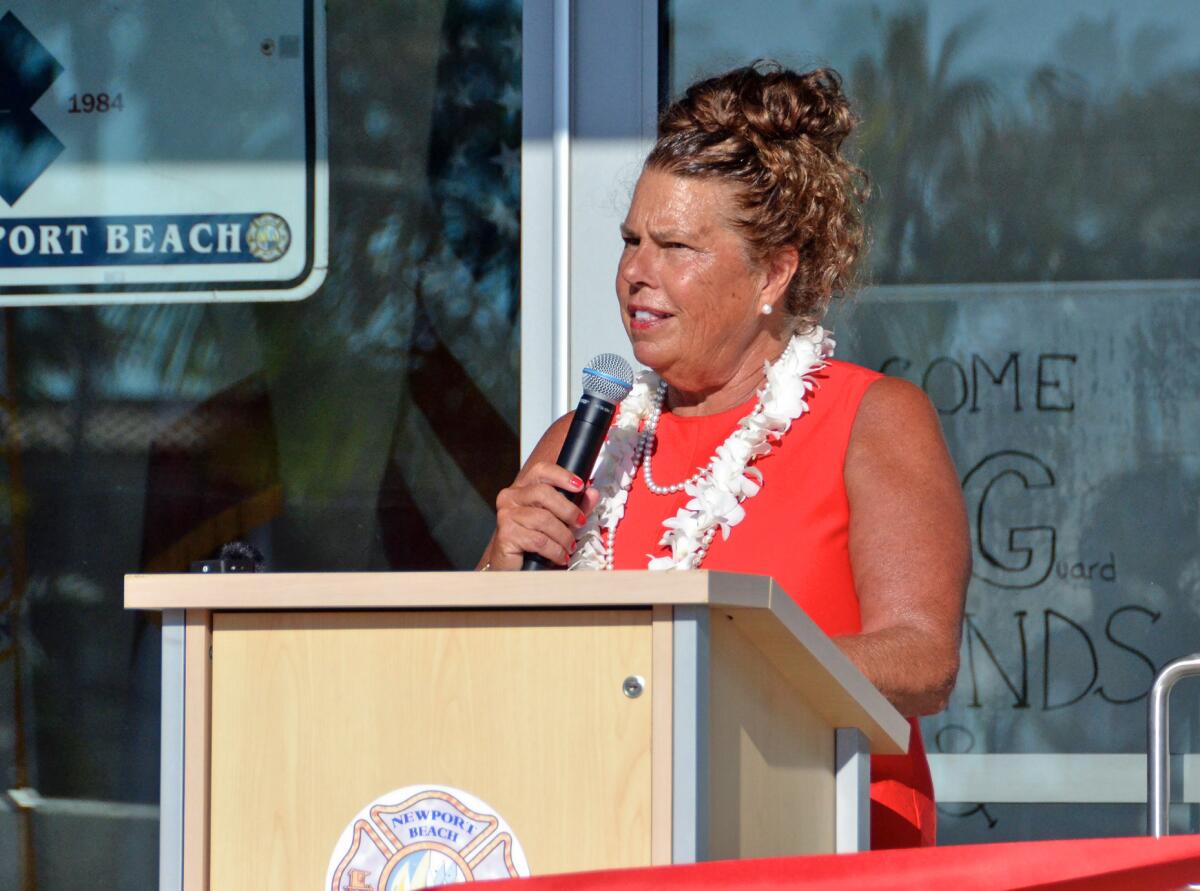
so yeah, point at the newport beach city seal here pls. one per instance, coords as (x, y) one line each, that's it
(422, 837)
(268, 237)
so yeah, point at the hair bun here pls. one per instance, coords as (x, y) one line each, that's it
(765, 102)
(781, 104)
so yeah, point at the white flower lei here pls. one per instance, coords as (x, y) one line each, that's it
(716, 498)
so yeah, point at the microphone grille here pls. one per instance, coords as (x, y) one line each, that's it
(608, 377)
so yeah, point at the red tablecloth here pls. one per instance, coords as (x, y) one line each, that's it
(1102, 864)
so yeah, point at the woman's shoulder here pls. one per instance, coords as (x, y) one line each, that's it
(894, 410)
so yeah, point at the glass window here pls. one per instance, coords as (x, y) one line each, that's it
(1032, 267)
(365, 428)
(1006, 142)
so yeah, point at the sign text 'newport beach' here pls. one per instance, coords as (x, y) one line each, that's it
(432, 823)
(143, 240)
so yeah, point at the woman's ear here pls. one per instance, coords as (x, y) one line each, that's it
(780, 269)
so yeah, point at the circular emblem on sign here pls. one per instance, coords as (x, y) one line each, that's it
(268, 237)
(422, 837)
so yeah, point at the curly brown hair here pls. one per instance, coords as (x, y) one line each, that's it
(777, 134)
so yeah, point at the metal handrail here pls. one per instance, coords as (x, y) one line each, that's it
(1158, 755)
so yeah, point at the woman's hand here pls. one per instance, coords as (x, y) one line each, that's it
(532, 516)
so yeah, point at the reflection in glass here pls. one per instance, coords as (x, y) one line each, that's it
(366, 428)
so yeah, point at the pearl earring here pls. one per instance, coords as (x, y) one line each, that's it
(767, 309)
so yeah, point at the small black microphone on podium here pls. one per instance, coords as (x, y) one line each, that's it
(606, 381)
(237, 556)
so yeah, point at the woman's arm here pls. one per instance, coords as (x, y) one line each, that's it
(531, 515)
(909, 548)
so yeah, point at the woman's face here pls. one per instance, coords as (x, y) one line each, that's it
(690, 299)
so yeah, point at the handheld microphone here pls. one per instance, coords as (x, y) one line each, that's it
(606, 381)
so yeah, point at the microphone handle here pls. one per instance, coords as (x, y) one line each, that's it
(593, 416)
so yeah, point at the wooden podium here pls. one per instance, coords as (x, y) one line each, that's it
(292, 700)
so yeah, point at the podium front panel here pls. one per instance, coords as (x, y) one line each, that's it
(771, 756)
(314, 714)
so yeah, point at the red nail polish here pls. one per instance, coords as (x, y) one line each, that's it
(582, 518)
(576, 482)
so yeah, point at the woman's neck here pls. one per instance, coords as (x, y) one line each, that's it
(735, 390)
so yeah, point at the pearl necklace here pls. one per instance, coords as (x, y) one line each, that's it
(642, 458)
(717, 489)
(649, 435)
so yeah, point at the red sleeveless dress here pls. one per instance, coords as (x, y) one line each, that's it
(796, 531)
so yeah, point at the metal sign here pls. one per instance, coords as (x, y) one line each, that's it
(162, 152)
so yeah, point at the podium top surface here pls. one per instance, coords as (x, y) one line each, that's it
(783, 631)
(444, 590)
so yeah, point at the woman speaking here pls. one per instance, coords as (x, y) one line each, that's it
(745, 447)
